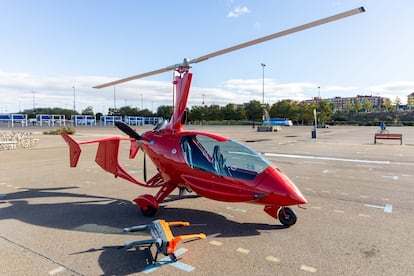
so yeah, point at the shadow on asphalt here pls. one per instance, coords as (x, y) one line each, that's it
(63, 208)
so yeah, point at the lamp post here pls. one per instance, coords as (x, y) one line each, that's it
(263, 66)
(114, 98)
(34, 92)
(74, 99)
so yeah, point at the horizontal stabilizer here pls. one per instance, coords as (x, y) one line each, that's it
(107, 158)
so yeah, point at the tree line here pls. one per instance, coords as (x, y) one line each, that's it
(301, 113)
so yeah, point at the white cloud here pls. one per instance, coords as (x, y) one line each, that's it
(238, 11)
(16, 92)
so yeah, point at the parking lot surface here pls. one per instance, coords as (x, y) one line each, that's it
(56, 220)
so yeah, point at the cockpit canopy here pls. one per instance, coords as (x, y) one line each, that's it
(228, 158)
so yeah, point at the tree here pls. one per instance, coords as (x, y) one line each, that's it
(305, 112)
(282, 109)
(397, 103)
(388, 105)
(325, 111)
(367, 106)
(357, 106)
(88, 111)
(165, 111)
(254, 110)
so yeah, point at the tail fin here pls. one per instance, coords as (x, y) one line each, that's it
(107, 159)
(74, 149)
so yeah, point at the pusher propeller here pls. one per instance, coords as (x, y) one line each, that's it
(186, 63)
(128, 130)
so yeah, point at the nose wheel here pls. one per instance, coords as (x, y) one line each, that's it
(287, 216)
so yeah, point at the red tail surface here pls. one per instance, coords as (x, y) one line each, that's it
(106, 155)
(74, 149)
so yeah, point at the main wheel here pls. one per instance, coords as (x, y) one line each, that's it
(148, 211)
(287, 216)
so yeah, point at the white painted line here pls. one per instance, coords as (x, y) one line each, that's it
(316, 207)
(183, 266)
(167, 260)
(243, 250)
(339, 211)
(273, 259)
(328, 158)
(225, 215)
(308, 268)
(394, 177)
(236, 209)
(387, 207)
(364, 216)
(363, 196)
(57, 270)
(216, 243)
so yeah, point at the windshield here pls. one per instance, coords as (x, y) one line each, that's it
(228, 158)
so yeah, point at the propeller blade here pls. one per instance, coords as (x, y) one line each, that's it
(279, 34)
(187, 62)
(145, 167)
(127, 130)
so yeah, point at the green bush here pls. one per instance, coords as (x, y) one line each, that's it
(57, 131)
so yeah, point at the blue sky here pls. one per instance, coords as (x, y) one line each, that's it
(58, 48)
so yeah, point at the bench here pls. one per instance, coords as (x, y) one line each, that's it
(388, 136)
(268, 128)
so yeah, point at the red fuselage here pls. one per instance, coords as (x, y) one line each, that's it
(270, 187)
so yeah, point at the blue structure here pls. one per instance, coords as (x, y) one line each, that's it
(11, 119)
(110, 120)
(134, 120)
(83, 120)
(277, 122)
(50, 120)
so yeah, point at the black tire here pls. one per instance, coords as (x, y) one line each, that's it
(287, 216)
(149, 212)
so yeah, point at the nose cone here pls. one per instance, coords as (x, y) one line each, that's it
(282, 191)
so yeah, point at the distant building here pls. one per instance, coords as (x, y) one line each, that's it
(341, 103)
(410, 100)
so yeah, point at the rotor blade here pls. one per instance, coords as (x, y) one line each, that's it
(127, 130)
(239, 46)
(159, 71)
(279, 34)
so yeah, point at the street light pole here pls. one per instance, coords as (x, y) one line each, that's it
(263, 66)
(74, 99)
(34, 92)
(114, 98)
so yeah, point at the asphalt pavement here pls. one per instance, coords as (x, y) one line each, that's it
(56, 220)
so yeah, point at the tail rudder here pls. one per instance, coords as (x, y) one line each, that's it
(74, 149)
